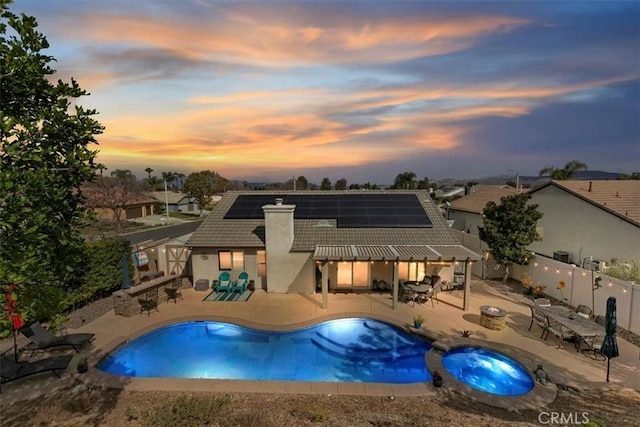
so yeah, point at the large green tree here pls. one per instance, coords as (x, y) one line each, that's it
(202, 185)
(567, 172)
(405, 181)
(509, 227)
(46, 154)
(325, 184)
(341, 184)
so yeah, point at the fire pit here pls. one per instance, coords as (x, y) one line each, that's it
(492, 317)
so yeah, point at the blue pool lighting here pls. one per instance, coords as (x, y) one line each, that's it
(488, 371)
(343, 350)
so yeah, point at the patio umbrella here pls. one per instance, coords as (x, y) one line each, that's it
(126, 280)
(15, 318)
(609, 344)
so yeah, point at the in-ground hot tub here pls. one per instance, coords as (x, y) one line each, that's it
(488, 371)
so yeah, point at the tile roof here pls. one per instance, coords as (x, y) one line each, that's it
(480, 195)
(309, 233)
(619, 197)
(172, 196)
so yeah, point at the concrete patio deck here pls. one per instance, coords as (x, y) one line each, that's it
(280, 312)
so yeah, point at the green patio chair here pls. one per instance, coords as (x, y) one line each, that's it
(223, 284)
(241, 284)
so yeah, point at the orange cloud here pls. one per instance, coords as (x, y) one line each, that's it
(279, 43)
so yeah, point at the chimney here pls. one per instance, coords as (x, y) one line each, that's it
(590, 184)
(278, 230)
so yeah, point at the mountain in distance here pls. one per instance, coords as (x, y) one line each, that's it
(531, 180)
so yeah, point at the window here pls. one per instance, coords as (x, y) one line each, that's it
(354, 274)
(345, 274)
(411, 270)
(228, 260)
(262, 263)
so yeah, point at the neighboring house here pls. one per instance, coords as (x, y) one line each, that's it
(178, 202)
(299, 242)
(583, 219)
(447, 192)
(140, 208)
(466, 212)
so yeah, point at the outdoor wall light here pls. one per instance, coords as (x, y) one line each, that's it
(204, 256)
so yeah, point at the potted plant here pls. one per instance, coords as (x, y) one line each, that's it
(418, 321)
(82, 366)
(437, 379)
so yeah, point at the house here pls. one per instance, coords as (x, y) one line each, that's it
(139, 208)
(586, 220)
(178, 202)
(302, 241)
(466, 212)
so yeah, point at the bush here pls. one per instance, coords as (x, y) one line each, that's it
(629, 271)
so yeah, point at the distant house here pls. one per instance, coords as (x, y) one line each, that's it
(588, 219)
(305, 241)
(178, 202)
(143, 206)
(466, 212)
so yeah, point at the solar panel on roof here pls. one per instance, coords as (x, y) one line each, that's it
(350, 210)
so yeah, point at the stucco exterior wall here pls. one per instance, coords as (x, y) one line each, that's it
(205, 265)
(573, 225)
(465, 221)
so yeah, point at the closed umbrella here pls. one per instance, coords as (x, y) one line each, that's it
(609, 344)
(126, 280)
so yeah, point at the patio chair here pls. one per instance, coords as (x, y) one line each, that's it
(174, 290)
(223, 283)
(41, 339)
(407, 296)
(241, 284)
(435, 290)
(11, 371)
(594, 344)
(149, 301)
(537, 318)
(543, 302)
(584, 311)
(558, 331)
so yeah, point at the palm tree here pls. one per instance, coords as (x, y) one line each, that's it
(101, 168)
(567, 172)
(148, 171)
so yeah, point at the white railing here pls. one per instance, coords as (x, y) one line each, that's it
(578, 289)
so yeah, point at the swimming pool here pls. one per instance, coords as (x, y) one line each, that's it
(488, 371)
(342, 350)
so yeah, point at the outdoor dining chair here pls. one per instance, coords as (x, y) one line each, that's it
(555, 328)
(149, 301)
(594, 343)
(174, 290)
(538, 318)
(584, 311)
(543, 302)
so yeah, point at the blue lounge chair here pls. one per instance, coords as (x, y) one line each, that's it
(223, 284)
(41, 339)
(241, 284)
(11, 371)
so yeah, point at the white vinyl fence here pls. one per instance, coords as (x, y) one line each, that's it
(578, 289)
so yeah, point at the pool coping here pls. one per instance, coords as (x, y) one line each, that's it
(538, 397)
(98, 378)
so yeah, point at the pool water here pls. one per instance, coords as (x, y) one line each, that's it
(343, 350)
(488, 371)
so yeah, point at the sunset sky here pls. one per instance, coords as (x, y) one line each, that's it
(357, 90)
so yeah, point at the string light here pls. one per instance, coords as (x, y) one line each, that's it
(557, 271)
(535, 264)
(546, 268)
(624, 290)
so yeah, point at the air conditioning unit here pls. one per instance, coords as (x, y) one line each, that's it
(562, 256)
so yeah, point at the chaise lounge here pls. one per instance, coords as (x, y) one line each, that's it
(11, 371)
(41, 339)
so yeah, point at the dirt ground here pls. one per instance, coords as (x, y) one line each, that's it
(119, 408)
